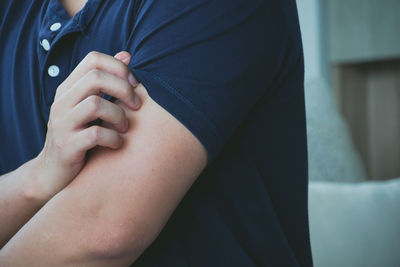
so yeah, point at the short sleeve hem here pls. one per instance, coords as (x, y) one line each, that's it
(183, 110)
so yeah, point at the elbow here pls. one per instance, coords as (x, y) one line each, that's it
(108, 246)
(116, 244)
(107, 234)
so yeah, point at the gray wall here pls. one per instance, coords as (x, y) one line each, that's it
(309, 14)
(363, 30)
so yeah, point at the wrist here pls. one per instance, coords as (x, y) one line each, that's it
(35, 188)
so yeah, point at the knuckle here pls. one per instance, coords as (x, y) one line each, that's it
(54, 108)
(53, 123)
(95, 81)
(93, 103)
(96, 75)
(93, 58)
(60, 89)
(50, 124)
(94, 134)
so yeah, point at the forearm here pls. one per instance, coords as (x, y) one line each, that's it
(116, 206)
(20, 199)
(67, 231)
(80, 226)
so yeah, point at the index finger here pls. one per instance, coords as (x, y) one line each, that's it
(99, 61)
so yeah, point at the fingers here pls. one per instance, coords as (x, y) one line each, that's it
(95, 107)
(97, 82)
(99, 61)
(96, 136)
(78, 102)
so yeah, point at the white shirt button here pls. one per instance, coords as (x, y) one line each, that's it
(53, 71)
(55, 27)
(45, 44)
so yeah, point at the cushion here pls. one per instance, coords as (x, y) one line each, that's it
(332, 155)
(355, 224)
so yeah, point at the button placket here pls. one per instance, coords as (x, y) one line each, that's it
(53, 70)
(45, 43)
(54, 61)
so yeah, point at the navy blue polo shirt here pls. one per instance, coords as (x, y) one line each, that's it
(230, 70)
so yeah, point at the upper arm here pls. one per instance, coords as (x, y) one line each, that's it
(205, 64)
(120, 201)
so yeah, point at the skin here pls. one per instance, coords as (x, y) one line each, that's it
(73, 6)
(24, 191)
(107, 210)
(119, 202)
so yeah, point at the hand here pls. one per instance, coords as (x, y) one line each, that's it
(77, 103)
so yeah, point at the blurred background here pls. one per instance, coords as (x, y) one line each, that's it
(352, 87)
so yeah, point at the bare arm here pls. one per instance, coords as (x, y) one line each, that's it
(24, 191)
(119, 202)
(20, 199)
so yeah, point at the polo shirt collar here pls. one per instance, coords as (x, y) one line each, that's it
(56, 12)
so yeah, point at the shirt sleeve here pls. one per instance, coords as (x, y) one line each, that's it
(208, 62)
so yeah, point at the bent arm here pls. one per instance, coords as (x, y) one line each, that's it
(20, 199)
(120, 201)
(24, 191)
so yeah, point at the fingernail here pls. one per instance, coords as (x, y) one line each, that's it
(126, 60)
(126, 126)
(136, 101)
(132, 80)
(124, 57)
